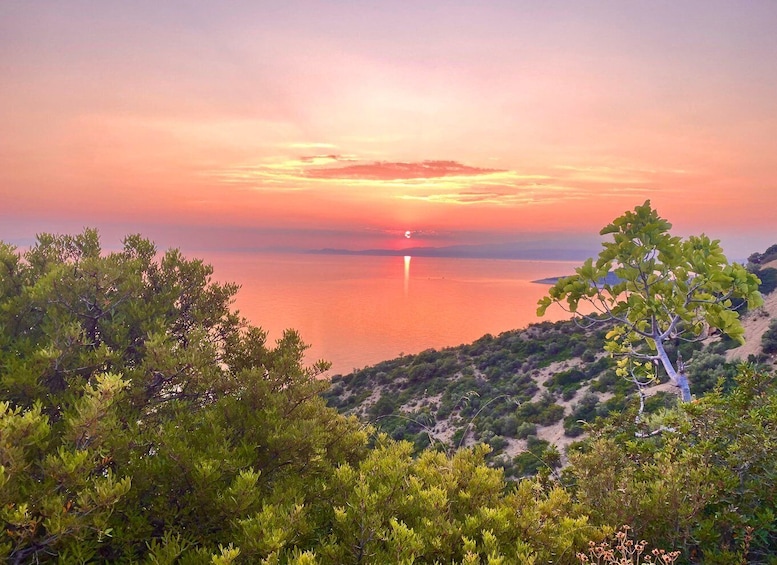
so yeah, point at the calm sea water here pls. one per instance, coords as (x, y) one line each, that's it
(356, 311)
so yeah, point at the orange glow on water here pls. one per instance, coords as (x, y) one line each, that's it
(356, 311)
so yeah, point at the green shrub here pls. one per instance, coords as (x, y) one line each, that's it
(584, 411)
(544, 412)
(707, 369)
(497, 443)
(383, 407)
(706, 489)
(768, 278)
(525, 430)
(769, 339)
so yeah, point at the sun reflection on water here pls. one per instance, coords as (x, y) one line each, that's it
(407, 272)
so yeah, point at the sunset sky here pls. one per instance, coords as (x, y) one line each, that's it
(253, 124)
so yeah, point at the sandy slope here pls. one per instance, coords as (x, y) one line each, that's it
(755, 323)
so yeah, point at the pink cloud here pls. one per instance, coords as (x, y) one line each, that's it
(329, 157)
(383, 170)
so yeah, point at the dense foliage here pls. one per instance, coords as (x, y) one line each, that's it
(140, 415)
(769, 339)
(143, 421)
(697, 488)
(509, 391)
(705, 489)
(656, 288)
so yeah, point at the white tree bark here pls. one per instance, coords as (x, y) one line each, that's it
(679, 379)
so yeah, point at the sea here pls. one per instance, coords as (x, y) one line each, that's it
(356, 311)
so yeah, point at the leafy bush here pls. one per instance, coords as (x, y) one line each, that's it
(544, 412)
(706, 489)
(588, 356)
(383, 407)
(768, 278)
(769, 339)
(497, 443)
(584, 411)
(604, 382)
(707, 369)
(525, 430)
(566, 381)
(196, 430)
(539, 456)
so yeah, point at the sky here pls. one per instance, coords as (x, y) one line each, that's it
(256, 124)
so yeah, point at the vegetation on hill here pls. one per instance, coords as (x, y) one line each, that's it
(498, 390)
(705, 488)
(527, 393)
(142, 420)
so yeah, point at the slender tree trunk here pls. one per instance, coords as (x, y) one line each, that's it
(679, 380)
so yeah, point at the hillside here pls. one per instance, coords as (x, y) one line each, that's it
(528, 393)
(757, 322)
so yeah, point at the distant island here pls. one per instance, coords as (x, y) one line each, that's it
(611, 278)
(484, 251)
(549, 280)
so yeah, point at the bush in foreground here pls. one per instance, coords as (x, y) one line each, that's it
(142, 420)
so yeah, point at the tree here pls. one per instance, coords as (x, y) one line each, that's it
(655, 288)
(140, 416)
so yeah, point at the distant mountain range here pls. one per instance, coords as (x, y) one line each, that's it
(483, 251)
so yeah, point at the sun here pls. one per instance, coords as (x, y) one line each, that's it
(408, 234)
